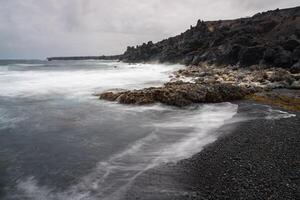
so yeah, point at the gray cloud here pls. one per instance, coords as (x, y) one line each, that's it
(36, 29)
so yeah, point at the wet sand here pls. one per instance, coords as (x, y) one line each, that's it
(253, 159)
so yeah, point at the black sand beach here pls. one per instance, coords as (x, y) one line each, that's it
(253, 159)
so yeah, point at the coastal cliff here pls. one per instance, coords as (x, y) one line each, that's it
(271, 38)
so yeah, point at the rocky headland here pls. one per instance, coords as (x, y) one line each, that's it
(270, 38)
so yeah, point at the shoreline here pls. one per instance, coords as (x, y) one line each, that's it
(212, 84)
(255, 160)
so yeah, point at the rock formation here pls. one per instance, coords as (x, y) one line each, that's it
(271, 38)
(179, 94)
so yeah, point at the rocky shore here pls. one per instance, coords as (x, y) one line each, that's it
(210, 84)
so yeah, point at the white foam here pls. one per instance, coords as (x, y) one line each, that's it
(27, 65)
(83, 82)
(204, 123)
(274, 114)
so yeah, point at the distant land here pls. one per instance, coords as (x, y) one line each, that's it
(114, 57)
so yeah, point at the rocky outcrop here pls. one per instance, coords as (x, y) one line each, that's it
(271, 38)
(179, 94)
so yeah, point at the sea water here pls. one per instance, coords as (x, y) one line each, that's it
(58, 141)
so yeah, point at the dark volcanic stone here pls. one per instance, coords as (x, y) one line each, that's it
(267, 26)
(283, 59)
(233, 56)
(251, 55)
(296, 54)
(269, 55)
(246, 40)
(290, 44)
(296, 67)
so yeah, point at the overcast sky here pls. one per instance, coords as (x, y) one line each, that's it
(41, 28)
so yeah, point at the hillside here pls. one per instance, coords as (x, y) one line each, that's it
(271, 38)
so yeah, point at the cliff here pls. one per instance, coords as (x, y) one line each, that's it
(271, 38)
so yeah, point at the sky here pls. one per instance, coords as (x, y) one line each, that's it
(40, 28)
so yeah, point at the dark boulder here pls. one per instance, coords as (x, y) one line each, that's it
(296, 68)
(296, 54)
(269, 55)
(188, 59)
(244, 40)
(224, 54)
(209, 56)
(251, 55)
(283, 58)
(232, 55)
(196, 60)
(290, 44)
